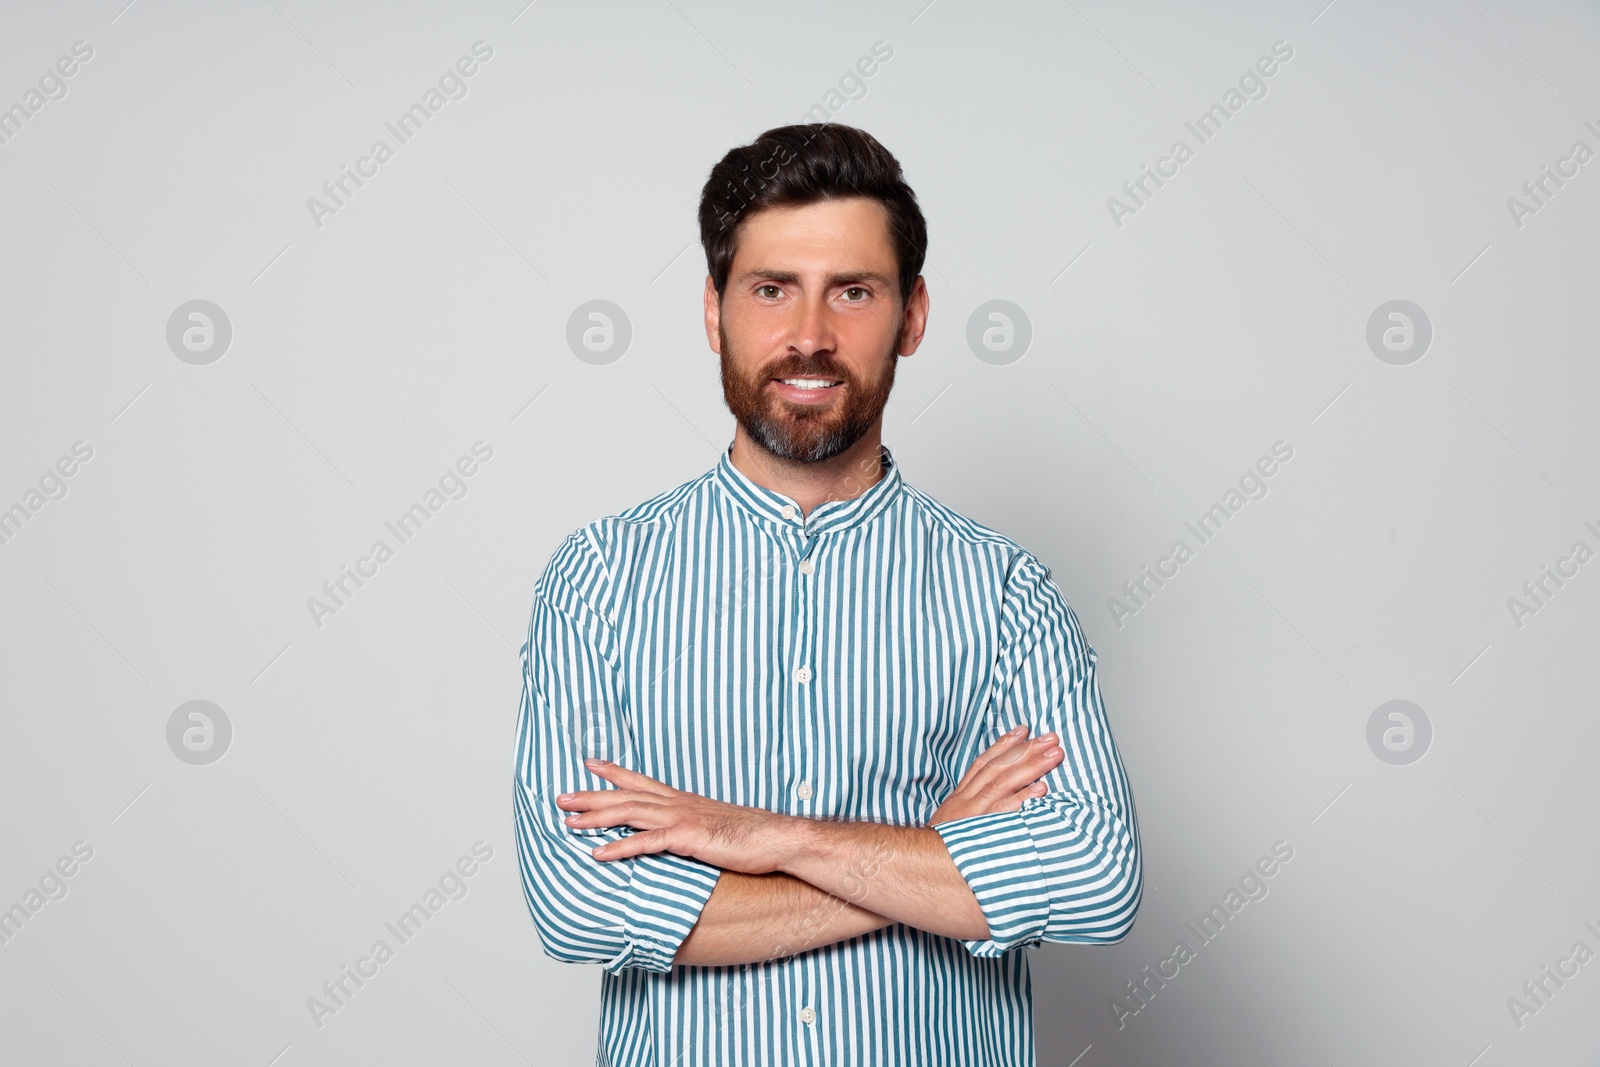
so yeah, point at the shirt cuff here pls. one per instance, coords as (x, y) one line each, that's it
(997, 856)
(665, 898)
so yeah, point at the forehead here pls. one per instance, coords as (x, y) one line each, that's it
(854, 228)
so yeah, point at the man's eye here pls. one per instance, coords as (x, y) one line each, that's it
(776, 292)
(856, 289)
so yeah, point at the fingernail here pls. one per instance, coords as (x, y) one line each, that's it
(1043, 738)
(1016, 730)
(596, 761)
(564, 796)
(599, 850)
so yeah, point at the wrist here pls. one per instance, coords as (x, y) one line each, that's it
(800, 843)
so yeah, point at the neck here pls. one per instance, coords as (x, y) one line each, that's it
(844, 477)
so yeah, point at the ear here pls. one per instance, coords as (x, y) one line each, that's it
(713, 313)
(915, 322)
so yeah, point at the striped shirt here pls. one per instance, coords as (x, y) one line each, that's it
(847, 663)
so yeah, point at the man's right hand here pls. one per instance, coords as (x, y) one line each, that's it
(1002, 777)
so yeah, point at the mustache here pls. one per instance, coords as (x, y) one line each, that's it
(807, 367)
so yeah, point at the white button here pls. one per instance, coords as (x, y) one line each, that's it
(805, 794)
(806, 566)
(808, 1016)
(788, 511)
(803, 675)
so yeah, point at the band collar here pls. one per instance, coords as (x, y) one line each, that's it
(829, 516)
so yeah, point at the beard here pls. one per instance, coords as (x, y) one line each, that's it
(809, 433)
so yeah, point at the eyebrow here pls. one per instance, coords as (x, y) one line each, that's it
(836, 278)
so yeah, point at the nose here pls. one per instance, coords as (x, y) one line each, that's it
(813, 328)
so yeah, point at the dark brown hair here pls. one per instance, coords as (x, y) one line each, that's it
(794, 165)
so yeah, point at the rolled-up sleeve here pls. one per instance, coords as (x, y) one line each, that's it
(629, 913)
(1066, 867)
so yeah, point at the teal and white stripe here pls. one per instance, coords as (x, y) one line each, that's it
(851, 663)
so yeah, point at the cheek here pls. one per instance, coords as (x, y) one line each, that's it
(757, 334)
(871, 350)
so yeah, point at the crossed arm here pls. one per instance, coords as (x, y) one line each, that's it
(790, 883)
(1000, 865)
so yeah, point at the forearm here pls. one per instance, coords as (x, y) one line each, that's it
(902, 872)
(750, 918)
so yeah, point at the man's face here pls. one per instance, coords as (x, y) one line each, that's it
(809, 326)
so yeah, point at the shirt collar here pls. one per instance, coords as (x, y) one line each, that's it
(774, 507)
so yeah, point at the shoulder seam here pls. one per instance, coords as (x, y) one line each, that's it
(967, 529)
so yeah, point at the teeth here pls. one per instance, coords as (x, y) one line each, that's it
(806, 383)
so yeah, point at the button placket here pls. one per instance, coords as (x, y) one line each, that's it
(804, 696)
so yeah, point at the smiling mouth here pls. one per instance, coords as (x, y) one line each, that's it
(810, 384)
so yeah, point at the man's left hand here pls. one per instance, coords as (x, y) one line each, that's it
(730, 836)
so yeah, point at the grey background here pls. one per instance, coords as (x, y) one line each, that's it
(1167, 355)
